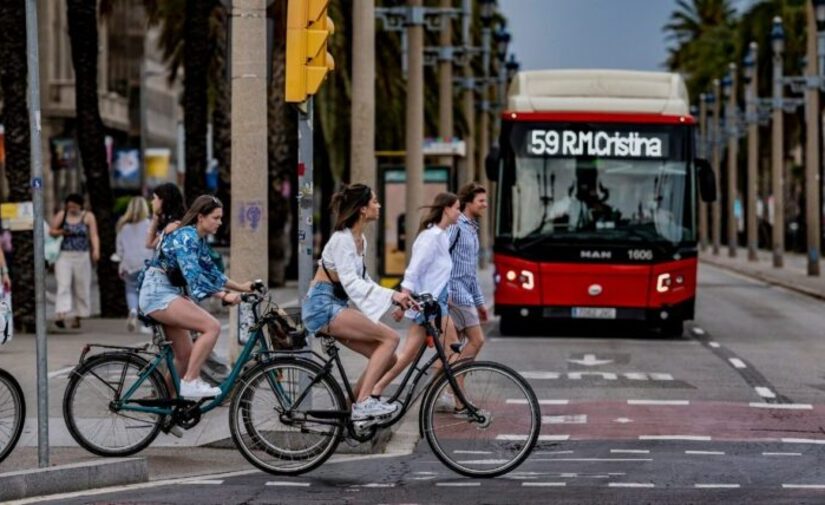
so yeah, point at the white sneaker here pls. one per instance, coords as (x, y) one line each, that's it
(445, 403)
(371, 408)
(197, 389)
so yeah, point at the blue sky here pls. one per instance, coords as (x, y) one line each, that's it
(590, 33)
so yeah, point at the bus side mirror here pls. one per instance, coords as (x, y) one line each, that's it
(491, 163)
(707, 182)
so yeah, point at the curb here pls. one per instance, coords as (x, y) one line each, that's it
(73, 477)
(765, 278)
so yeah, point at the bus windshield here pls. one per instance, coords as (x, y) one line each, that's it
(595, 182)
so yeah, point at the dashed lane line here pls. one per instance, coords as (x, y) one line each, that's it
(717, 486)
(789, 454)
(658, 402)
(605, 460)
(631, 484)
(737, 363)
(803, 441)
(212, 482)
(543, 484)
(787, 406)
(286, 483)
(522, 401)
(803, 486)
(629, 451)
(376, 485)
(715, 345)
(692, 438)
(542, 438)
(706, 453)
(764, 392)
(458, 484)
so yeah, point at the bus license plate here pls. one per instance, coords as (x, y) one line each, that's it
(594, 313)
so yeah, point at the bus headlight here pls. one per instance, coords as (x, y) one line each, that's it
(663, 283)
(525, 278)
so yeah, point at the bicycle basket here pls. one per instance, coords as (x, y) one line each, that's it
(284, 329)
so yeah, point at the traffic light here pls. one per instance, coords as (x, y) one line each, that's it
(307, 60)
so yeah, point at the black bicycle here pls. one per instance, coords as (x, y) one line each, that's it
(289, 413)
(12, 413)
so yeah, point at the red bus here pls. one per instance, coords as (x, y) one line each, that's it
(596, 199)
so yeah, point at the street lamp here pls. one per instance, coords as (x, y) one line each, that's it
(502, 38)
(512, 67)
(819, 11)
(488, 8)
(749, 62)
(777, 37)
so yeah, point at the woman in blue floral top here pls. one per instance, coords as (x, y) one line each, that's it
(183, 261)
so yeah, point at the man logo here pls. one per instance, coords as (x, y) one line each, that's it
(596, 255)
(594, 290)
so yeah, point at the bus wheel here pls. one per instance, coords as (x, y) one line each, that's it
(673, 328)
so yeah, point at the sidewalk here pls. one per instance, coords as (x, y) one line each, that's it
(793, 275)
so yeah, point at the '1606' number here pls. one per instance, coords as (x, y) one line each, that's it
(640, 254)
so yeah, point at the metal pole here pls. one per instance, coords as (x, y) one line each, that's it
(812, 208)
(39, 259)
(733, 155)
(484, 143)
(703, 153)
(753, 155)
(144, 128)
(414, 135)
(716, 162)
(305, 198)
(362, 139)
(467, 172)
(445, 81)
(777, 161)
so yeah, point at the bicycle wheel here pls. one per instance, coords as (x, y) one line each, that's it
(88, 407)
(12, 413)
(502, 439)
(272, 432)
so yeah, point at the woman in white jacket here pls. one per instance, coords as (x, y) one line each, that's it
(428, 272)
(341, 278)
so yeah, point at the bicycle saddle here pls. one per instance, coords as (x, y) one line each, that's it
(147, 320)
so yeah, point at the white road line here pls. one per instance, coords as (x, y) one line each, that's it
(613, 460)
(565, 419)
(706, 453)
(803, 486)
(715, 345)
(631, 484)
(286, 483)
(765, 392)
(658, 402)
(540, 375)
(58, 373)
(782, 454)
(470, 452)
(788, 406)
(458, 484)
(698, 331)
(483, 461)
(543, 484)
(381, 485)
(522, 401)
(716, 486)
(427, 473)
(737, 363)
(203, 481)
(629, 451)
(547, 453)
(803, 441)
(542, 438)
(696, 438)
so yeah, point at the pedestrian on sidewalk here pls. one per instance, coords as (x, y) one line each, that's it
(167, 211)
(132, 229)
(80, 247)
(467, 306)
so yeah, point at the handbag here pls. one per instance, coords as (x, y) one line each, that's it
(338, 288)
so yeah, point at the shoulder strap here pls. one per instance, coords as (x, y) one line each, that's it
(455, 240)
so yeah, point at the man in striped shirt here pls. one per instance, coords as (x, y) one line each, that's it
(467, 307)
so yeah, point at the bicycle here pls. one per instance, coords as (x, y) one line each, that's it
(290, 414)
(116, 402)
(12, 413)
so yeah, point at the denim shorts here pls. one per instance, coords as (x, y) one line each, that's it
(320, 307)
(156, 292)
(442, 302)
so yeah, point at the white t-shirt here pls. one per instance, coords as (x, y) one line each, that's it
(430, 265)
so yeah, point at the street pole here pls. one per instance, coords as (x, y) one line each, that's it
(812, 208)
(306, 232)
(248, 139)
(39, 252)
(484, 143)
(777, 151)
(144, 128)
(414, 135)
(753, 152)
(362, 138)
(716, 163)
(733, 155)
(703, 153)
(445, 81)
(467, 171)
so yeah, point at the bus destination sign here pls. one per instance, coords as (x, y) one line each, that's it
(600, 143)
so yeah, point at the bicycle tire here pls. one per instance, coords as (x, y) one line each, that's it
(77, 426)
(17, 410)
(512, 402)
(261, 445)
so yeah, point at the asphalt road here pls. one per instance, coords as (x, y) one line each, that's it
(729, 413)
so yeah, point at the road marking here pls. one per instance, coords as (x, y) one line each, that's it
(62, 371)
(540, 375)
(203, 481)
(543, 484)
(803, 441)
(613, 460)
(629, 451)
(566, 419)
(286, 483)
(716, 486)
(623, 420)
(458, 484)
(696, 438)
(782, 454)
(469, 452)
(715, 345)
(765, 392)
(381, 485)
(803, 486)
(706, 453)
(542, 438)
(547, 453)
(522, 401)
(698, 331)
(484, 461)
(658, 402)
(788, 406)
(630, 484)
(608, 376)
(737, 363)
(590, 360)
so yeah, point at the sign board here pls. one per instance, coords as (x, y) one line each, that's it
(157, 162)
(127, 167)
(17, 216)
(439, 147)
(597, 143)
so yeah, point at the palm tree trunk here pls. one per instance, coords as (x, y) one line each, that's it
(82, 17)
(221, 118)
(13, 80)
(196, 52)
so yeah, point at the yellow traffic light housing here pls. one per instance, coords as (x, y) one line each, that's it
(307, 58)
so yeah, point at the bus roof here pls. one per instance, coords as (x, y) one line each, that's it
(602, 91)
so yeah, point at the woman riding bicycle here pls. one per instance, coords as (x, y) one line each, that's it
(183, 261)
(342, 276)
(428, 272)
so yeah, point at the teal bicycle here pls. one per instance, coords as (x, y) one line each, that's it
(117, 401)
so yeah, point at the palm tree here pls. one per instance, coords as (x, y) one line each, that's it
(83, 35)
(15, 118)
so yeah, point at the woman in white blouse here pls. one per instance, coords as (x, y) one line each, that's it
(428, 272)
(342, 277)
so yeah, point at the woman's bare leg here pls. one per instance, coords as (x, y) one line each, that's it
(183, 313)
(364, 349)
(182, 349)
(415, 339)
